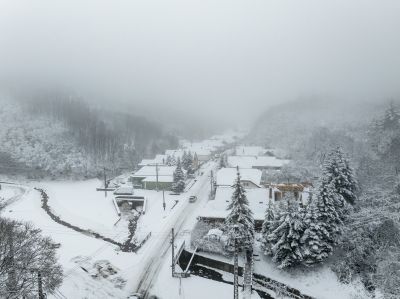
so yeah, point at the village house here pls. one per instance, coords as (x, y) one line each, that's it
(216, 210)
(257, 162)
(158, 160)
(277, 192)
(203, 155)
(245, 150)
(250, 178)
(153, 177)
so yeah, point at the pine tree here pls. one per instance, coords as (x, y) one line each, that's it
(222, 161)
(391, 119)
(185, 160)
(337, 170)
(195, 162)
(315, 247)
(286, 249)
(179, 178)
(239, 222)
(189, 163)
(168, 161)
(269, 225)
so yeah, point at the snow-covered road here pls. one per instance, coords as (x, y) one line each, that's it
(157, 249)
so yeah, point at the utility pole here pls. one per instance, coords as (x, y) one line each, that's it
(40, 286)
(163, 199)
(236, 268)
(212, 182)
(173, 251)
(157, 176)
(105, 182)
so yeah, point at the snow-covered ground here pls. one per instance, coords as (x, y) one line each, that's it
(84, 258)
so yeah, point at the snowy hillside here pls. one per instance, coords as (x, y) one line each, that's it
(70, 139)
(36, 143)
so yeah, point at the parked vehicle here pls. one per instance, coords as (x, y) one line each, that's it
(192, 198)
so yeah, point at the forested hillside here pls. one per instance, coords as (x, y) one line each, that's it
(287, 125)
(57, 136)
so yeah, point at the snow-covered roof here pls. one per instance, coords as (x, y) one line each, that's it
(161, 179)
(227, 176)
(244, 150)
(124, 190)
(217, 208)
(165, 173)
(159, 159)
(256, 161)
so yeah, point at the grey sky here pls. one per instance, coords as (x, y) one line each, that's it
(212, 57)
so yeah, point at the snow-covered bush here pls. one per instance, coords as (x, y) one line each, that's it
(200, 238)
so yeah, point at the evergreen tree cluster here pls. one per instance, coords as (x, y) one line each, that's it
(223, 163)
(385, 137)
(293, 234)
(179, 178)
(187, 162)
(170, 161)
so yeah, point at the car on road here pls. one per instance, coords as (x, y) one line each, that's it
(192, 198)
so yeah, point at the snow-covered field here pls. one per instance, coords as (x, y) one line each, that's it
(86, 260)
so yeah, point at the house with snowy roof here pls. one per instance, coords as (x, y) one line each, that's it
(250, 178)
(159, 159)
(217, 210)
(257, 162)
(152, 177)
(300, 192)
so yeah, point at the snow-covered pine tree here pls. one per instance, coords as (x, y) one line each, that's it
(173, 160)
(179, 179)
(315, 244)
(240, 222)
(337, 170)
(195, 162)
(189, 163)
(184, 160)
(391, 119)
(323, 223)
(269, 225)
(222, 161)
(286, 250)
(168, 161)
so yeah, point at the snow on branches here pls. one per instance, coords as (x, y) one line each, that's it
(239, 224)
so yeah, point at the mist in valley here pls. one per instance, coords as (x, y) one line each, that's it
(121, 120)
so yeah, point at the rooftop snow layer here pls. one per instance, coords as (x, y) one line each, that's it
(256, 161)
(149, 171)
(228, 176)
(217, 208)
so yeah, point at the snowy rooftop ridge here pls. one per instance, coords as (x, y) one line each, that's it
(228, 176)
(256, 162)
(217, 208)
(150, 170)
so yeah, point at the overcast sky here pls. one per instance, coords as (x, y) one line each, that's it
(212, 57)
